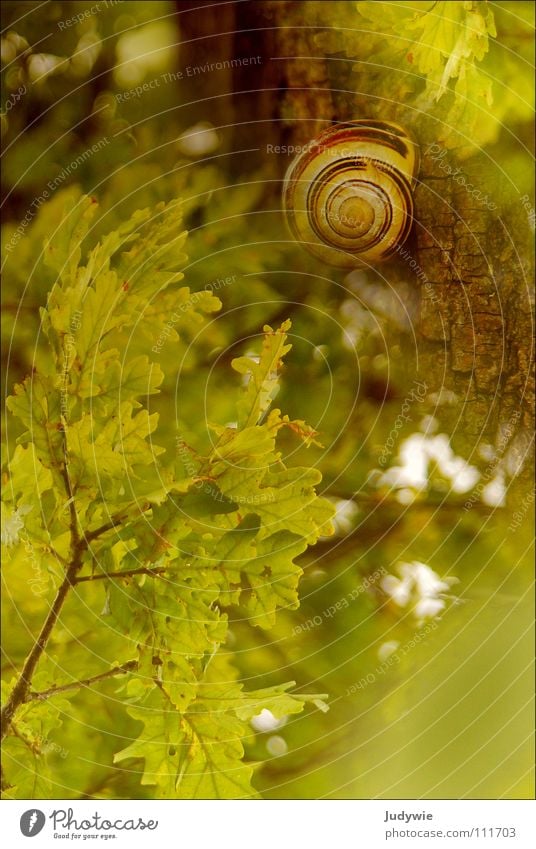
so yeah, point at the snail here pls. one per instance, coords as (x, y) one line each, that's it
(348, 195)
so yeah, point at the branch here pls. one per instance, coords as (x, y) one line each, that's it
(130, 666)
(20, 690)
(143, 570)
(108, 526)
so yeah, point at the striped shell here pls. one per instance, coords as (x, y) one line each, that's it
(348, 196)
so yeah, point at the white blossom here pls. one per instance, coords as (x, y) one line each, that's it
(266, 721)
(345, 514)
(417, 584)
(416, 454)
(494, 492)
(387, 649)
(12, 523)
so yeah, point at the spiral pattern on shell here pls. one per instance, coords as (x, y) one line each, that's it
(348, 195)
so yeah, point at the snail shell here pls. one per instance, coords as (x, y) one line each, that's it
(348, 195)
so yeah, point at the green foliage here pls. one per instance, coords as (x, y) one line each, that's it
(194, 536)
(445, 44)
(443, 59)
(442, 40)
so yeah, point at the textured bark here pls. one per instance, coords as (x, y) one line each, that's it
(280, 100)
(465, 271)
(475, 318)
(206, 37)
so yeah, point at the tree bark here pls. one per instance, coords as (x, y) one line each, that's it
(476, 340)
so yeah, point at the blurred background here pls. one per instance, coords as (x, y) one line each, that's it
(416, 618)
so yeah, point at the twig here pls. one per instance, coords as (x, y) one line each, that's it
(34, 747)
(59, 557)
(130, 666)
(75, 534)
(108, 526)
(122, 574)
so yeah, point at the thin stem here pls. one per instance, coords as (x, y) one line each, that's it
(34, 747)
(122, 574)
(130, 666)
(108, 526)
(58, 556)
(166, 694)
(75, 535)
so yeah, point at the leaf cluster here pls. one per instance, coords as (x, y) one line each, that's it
(175, 540)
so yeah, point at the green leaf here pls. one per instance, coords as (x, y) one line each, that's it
(262, 377)
(278, 701)
(448, 49)
(197, 755)
(290, 503)
(101, 314)
(149, 266)
(28, 476)
(211, 758)
(63, 249)
(272, 578)
(37, 404)
(115, 381)
(207, 500)
(161, 736)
